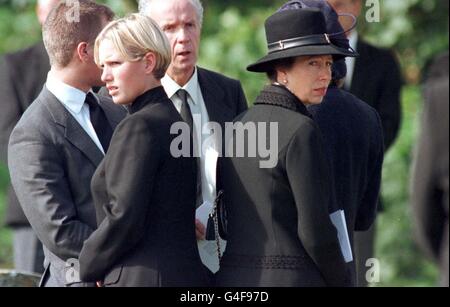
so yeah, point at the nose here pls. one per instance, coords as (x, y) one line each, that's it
(325, 72)
(106, 74)
(182, 35)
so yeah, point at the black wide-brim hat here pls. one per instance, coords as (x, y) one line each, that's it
(293, 33)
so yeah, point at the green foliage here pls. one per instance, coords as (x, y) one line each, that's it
(402, 263)
(416, 29)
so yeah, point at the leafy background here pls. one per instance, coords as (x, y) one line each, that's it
(233, 37)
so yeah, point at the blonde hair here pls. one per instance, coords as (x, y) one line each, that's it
(133, 37)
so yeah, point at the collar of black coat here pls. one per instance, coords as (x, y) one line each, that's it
(279, 95)
(154, 95)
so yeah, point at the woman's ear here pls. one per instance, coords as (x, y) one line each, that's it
(282, 76)
(150, 62)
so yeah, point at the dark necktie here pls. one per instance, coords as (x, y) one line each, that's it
(185, 110)
(99, 121)
(186, 115)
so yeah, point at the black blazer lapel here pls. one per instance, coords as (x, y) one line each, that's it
(74, 133)
(214, 97)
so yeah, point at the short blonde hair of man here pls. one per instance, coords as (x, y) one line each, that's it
(133, 37)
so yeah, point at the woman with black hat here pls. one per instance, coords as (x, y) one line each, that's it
(279, 229)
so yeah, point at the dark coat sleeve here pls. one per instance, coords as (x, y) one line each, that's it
(308, 174)
(367, 209)
(430, 171)
(130, 169)
(11, 107)
(389, 106)
(39, 179)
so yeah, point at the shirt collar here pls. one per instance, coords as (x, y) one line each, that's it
(171, 87)
(353, 40)
(69, 96)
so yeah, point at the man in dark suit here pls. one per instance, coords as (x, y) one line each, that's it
(197, 93)
(375, 78)
(430, 181)
(61, 139)
(22, 75)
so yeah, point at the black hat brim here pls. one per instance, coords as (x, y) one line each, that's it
(265, 64)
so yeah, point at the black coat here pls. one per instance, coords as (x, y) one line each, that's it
(354, 145)
(145, 204)
(377, 80)
(22, 76)
(280, 233)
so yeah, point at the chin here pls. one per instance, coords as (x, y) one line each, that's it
(118, 100)
(314, 102)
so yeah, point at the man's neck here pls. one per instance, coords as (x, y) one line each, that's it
(181, 78)
(70, 77)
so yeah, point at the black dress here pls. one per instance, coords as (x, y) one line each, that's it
(145, 205)
(279, 230)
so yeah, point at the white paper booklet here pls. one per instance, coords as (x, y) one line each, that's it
(338, 220)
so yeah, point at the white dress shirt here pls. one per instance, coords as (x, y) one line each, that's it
(350, 61)
(209, 154)
(73, 100)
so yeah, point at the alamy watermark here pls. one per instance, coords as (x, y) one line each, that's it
(374, 270)
(72, 271)
(73, 14)
(373, 12)
(249, 140)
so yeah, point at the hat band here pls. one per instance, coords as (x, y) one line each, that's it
(322, 39)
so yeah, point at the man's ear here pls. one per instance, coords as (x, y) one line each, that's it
(82, 52)
(150, 62)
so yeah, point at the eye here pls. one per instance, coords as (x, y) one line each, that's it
(329, 64)
(168, 28)
(313, 63)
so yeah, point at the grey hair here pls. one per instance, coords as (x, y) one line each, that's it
(144, 6)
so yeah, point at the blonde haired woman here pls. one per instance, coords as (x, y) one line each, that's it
(143, 196)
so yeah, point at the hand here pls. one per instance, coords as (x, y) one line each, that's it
(99, 284)
(200, 230)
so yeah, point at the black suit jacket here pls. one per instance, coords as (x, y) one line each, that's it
(51, 161)
(377, 80)
(224, 97)
(279, 230)
(354, 145)
(22, 76)
(430, 184)
(145, 203)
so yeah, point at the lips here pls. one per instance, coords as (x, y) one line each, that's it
(183, 53)
(321, 91)
(112, 90)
